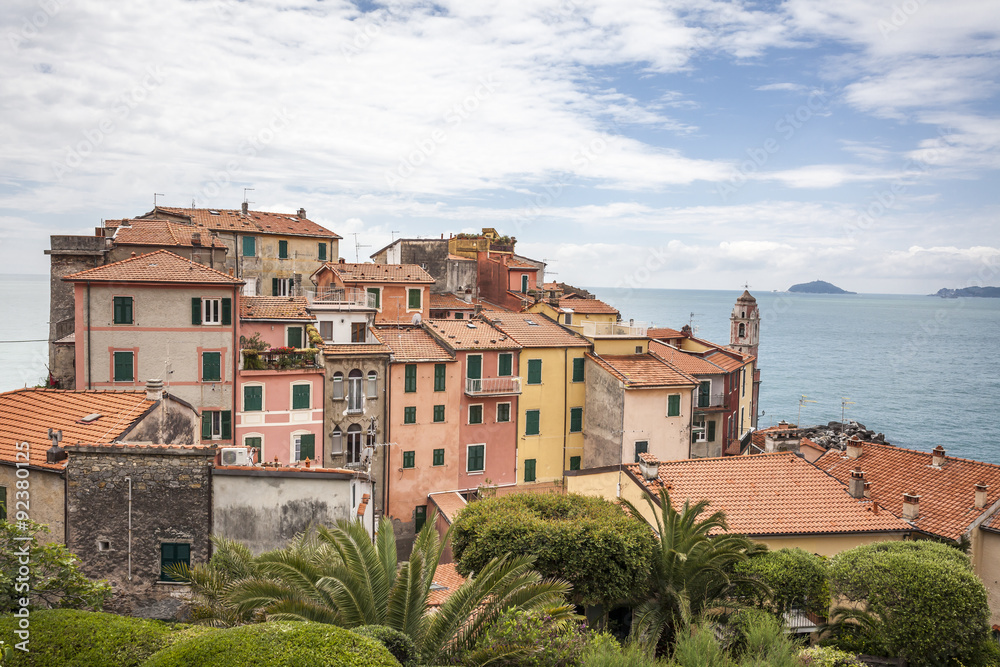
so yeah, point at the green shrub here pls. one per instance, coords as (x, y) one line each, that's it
(74, 638)
(828, 656)
(797, 579)
(400, 645)
(534, 639)
(276, 644)
(610, 654)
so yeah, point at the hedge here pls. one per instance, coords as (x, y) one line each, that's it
(400, 645)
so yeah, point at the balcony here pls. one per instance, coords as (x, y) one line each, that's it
(613, 329)
(502, 386)
(710, 401)
(340, 298)
(279, 359)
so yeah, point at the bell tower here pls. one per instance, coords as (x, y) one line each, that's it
(744, 335)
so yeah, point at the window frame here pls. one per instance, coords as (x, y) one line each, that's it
(637, 451)
(438, 459)
(410, 292)
(440, 377)
(419, 517)
(371, 380)
(439, 411)
(409, 459)
(115, 300)
(282, 249)
(537, 419)
(291, 396)
(410, 414)
(114, 366)
(253, 244)
(530, 465)
(576, 413)
(337, 387)
(699, 432)
(302, 336)
(164, 577)
(410, 379)
(321, 252)
(218, 354)
(295, 446)
(481, 456)
(206, 310)
(252, 385)
(377, 292)
(579, 363)
(534, 367)
(574, 462)
(260, 448)
(480, 411)
(507, 404)
(671, 411)
(509, 356)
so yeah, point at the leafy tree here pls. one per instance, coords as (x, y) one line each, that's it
(692, 571)
(534, 639)
(588, 541)
(796, 579)
(921, 601)
(54, 578)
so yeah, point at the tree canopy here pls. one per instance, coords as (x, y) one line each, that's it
(796, 579)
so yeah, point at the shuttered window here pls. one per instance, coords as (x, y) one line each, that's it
(531, 418)
(372, 390)
(410, 415)
(476, 459)
(674, 405)
(503, 412)
(439, 457)
(338, 386)
(409, 459)
(254, 443)
(474, 366)
(410, 378)
(226, 419)
(575, 420)
(475, 414)
(711, 431)
(641, 447)
(413, 299)
(439, 377)
(211, 366)
(253, 398)
(124, 367)
(534, 371)
(419, 517)
(574, 463)
(300, 397)
(505, 364)
(322, 252)
(307, 446)
(374, 297)
(578, 369)
(123, 310)
(173, 553)
(282, 249)
(295, 337)
(529, 470)
(439, 413)
(249, 246)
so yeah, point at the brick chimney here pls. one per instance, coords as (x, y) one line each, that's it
(938, 457)
(854, 447)
(981, 489)
(195, 238)
(856, 487)
(154, 390)
(911, 506)
(868, 489)
(649, 465)
(245, 207)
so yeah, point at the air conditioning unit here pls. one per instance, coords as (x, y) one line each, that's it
(235, 456)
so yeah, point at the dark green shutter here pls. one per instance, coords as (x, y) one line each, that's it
(505, 364)
(307, 446)
(704, 394)
(414, 299)
(123, 310)
(410, 415)
(574, 463)
(575, 420)
(227, 312)
(531, 422)
(376, 296)
(439, 377)
(3, 494)
(253, 399)
(641, 447)
(409, 459)
(503, 412)
(282, 249)
(195, 310)
(711, 431)
(206, 425)
(674, 405)
(419, 517)
(124, 371)
(295, 337)
(227, 424)
(578, 369)
(173, 554)
(439, 413)
(439, 457)
(474, 367)
(255, 443)
(300, 396)
(249, 246)
(410, 380)
(322, 251)
(534, 371)
(274, 287)
(475, 462)
(211, 366)
(529, 470)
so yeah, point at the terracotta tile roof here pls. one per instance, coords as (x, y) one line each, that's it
(522, 266)
(446, 581)
(724, 361)
(274, 308)
(449, 504)
(551, 287)
(663, 332)
(354, 349)
(471, 335)
(410, 343)
(993, 523)
(163, 233)
(587, 306)
(543, 333)
(26, 415)
(160, 266)
(449, 302)
(643, 370)
(460, 258)
(379, 273)
(770, 494)
(254, 222)
(947, 494)
(806, 442)
(281, 469)
(689, 363)
(140, 445)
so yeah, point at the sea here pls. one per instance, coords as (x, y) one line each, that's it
(923, 370)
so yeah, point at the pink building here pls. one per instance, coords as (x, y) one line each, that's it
(280, 389)
(395, 292)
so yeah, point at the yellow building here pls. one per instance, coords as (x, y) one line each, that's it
(573, 311)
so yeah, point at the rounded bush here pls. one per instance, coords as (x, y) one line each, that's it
(797, 579)
(276, 644)
(400, 645)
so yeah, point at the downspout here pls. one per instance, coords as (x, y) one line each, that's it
(89, 385)
(388, 439)
(621, 444)
(129, 480)
(566, 372)
(234, 318)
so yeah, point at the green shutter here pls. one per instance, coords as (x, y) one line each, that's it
(376, 296)
(300, 397)
(474, 366)
(531, 422)
(439, 413)
(439, 457)
(282, 249)
(195, 310)
(3, 495)
(409, 459)
(249, 246)
(534, 371)
(253, 399)
(410, 378)
(574, 463)
(227, 312)
(529, 470)
(410, 415)
(419, 517)
(505, 365)
(414, 299)
(173, 554)
(211, 366)
(475, 414)
(674, 405)
(255, 443)
(227, 424)
(307, 446)
(575, 420)
(439, 377)
(578, 369)
(295, 337)
(475, 462)
(641, 447)
(704, 394)
(274, 287)
(322, 252)
(124, 371)
(503, 412)
(123, 310)
(711, 431)
(206, 425)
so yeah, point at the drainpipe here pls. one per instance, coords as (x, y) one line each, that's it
(129, 480)
(233, 320)
(388, 439)
(89, 386)
(566, 371)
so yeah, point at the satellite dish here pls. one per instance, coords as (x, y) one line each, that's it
(416, 318)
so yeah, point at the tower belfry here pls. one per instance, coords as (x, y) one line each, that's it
(744, 334)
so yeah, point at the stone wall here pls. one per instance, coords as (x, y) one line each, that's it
(432, 255)
(170, 422)
(171, 503)
(45, 498)
(602, 418)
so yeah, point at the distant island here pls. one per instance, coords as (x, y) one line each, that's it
(818, 287)
(988, 292)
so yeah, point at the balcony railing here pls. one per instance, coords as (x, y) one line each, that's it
(603, 329)
(711, 401)
(279, 359)
(341, 297)
(501, 386)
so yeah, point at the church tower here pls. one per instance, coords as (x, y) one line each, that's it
(744, 334)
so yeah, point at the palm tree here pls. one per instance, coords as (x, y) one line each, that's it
(691, 574)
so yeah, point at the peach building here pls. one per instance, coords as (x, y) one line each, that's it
(394, 292)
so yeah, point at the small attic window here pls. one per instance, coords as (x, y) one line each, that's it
(214, 212)
(92, 417)
(532, 323)
(470, 325)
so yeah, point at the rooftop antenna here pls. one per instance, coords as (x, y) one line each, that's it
(393, 233)
(155, 195)
(802, 401)
(358, 247)
(546, 260)
(245, 201)
(694, 329)
(844, 402)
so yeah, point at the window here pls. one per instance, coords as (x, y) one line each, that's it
(354, 443)
(534, 371)
(475, 460)
(216, 424)
(531, 422)
(253, 398)
(674, 405)
(321, 255)
(282, 249)
(173, 553)
(409, 459)
(578, 369)
(211, 366)
(337, 388)
(641, 447)
(439, 377)
(475, 414)
(326, 330)
(372, 384)
(211, 311)
(300, 397)
(459, 316)
(336, 441)
(374, 297)
(419, 517)
(742, 331)
(505, 364)
(574, 463)
(256, 446)
(474, 366)
(568, 319)
(438, 413)
(575, 420)
(698, 429)
(123, 310)
(249, 246)
(503, 412)
(410, 378)
(410, 414)
(524, 282)
(354, 397)
(124, 366)
(638, 349)
(414, 298)
(359, 332)
(3, 500)
(439, 457)
(305, 446)
(529, 470)
(281, 287)
(294, 337)
(704, 393)
(710, 431)
(250, 287)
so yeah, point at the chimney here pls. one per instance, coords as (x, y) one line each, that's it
(302, 213)
(686, 331)
(911, 506)
(857, 484)
(133, 253)
(154, 390)
(195, 238)
(981, 489)
(649, 465)
(854, 447)
(341, 260)
(245, 207)
(868, 489)
(55, 453)
(938, 457)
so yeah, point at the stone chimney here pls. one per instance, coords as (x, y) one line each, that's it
(868, 489)
(245, 207)
(856, 487)
(686, 331)
(649, 465)
(981, 489)
(302, 213)
(154, 390)
(854, 447)
(195, 238)
(911, 506)
(938, 457)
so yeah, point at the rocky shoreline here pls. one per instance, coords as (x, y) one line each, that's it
(834, 434)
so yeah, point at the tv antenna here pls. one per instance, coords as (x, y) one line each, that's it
(245, 190)
(546, 260)
(844, 403)
(802, 401)
(392, 234)
(694, 329)
(155, 195)
(357, 248)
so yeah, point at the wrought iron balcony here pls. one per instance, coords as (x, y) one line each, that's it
(501, 386)
(708, 401)
(341, 298)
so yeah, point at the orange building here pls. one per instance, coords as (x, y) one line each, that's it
(397, 292)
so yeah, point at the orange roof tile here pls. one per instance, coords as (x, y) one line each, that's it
(643, 370)
(449, 504)
(274, 308)
(449, 302)
(160, 266)
(379, 273)
(162, 233)
(947, 495)
(689, 363)
(724, 361)
(663, 332)
(470, 335)
(587, 306)
(770, 494)
(354, 349)
(446, 581)
(460, 258)
(299, 468)
(534, 330)
(26, 415)
(410, 343)
(522, 266)
(256, 222)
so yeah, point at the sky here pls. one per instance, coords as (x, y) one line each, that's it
(677, 144)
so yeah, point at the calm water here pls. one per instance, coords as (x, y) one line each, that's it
(925, 371)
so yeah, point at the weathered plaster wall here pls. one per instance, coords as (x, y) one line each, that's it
(169, 423)
(432, 255)
(986, 563)
(646, 419)
(461, 274)
(602, 418)
(46, 498)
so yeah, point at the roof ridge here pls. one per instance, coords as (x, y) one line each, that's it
(917, 451)
(138, 257)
